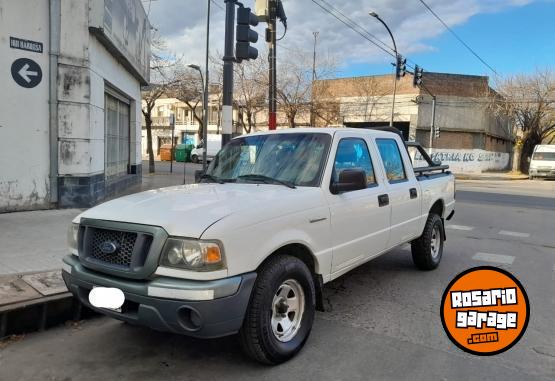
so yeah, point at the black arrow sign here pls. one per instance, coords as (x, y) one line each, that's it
(26, 72)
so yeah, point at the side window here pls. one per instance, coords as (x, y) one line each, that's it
(391, 157)
(353, 154)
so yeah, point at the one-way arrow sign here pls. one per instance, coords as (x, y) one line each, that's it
(26, 72)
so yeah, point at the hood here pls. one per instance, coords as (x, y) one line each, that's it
(188, 210)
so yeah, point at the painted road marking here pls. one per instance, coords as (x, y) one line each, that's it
(460, 227)
(495, 258)
(514, 234)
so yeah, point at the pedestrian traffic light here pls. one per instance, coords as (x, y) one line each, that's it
(245, 35)
(417, 79)
(401, 67)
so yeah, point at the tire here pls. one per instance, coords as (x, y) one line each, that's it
(194, 159)
(530, 177)
(427, 249)
(259, 333)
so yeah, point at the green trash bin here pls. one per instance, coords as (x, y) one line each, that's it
(180, 152)
(183, 152)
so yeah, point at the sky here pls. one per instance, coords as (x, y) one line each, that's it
(512, 36)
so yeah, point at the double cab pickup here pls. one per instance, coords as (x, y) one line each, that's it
(249, 247)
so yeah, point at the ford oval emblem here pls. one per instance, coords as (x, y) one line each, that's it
(108, 247)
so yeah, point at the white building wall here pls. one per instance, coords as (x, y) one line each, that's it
(24, 112)
(106, 69)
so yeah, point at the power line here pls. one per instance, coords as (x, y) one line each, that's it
(457, 36)
(351, 24)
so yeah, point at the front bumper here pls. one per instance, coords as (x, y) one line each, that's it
(548, 173)
(204, 309)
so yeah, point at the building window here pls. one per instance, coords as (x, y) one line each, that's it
(117, 142)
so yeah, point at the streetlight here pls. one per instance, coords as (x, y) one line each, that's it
(375, 15)
(204, 115)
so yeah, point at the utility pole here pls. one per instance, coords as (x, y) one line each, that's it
(271, 39)
(229, 58)
(433, 124)
(205, 101)
(312, 116)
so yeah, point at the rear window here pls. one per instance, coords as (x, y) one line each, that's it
(544, 156)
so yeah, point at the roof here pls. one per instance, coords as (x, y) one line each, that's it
(326, 130)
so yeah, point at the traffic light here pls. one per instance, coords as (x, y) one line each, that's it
(245, 35)
(401, 67)
(417, 80)
(436, 132)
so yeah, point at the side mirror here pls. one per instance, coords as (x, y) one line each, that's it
(349, 180)
(198, 175)
(199, 146)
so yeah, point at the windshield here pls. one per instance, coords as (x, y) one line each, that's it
(294, 158)
(544, 156)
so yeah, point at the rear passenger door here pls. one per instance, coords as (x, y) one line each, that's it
(402, 189)
(360, 224)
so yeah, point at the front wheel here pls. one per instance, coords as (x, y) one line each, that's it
(194, 159)
(281, 311)
(428, 248)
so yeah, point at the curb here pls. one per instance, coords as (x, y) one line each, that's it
(490, 178)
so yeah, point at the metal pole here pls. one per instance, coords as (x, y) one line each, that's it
(373, 14)
(229, 58)
(172, 125)
(433, 124)
(272, 103)
(205, 101)
(312, 116)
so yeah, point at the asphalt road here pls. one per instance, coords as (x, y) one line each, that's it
(382, 319)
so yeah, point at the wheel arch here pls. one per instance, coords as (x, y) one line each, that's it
(438, 208)
(305, 254)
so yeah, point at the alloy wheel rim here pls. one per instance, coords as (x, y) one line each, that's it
(287, 310)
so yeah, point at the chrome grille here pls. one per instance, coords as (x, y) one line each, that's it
(124, 241)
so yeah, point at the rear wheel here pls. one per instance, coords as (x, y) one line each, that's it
(281, 311)
(428, 248)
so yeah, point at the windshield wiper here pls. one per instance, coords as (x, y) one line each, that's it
(267, 180)
(213, 178)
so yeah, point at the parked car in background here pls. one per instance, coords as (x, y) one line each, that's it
(542, 163)
(248, 250)
(212, 148)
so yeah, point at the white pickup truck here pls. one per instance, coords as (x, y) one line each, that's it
(248, 249)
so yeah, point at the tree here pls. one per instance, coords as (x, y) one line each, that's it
(530, 101)
(161, 71)
(188, 88)
(294, 86)
(150, 94)
(250, 91)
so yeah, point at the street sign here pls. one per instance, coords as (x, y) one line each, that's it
(31, 46)
(26, 72)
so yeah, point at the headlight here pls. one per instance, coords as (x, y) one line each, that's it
(192, 254)
(72, 238)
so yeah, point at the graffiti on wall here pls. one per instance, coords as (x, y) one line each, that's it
(466, 161)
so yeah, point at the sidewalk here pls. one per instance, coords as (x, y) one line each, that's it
(32, 245)
(492, 176)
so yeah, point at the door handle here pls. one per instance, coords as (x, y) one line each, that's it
(413, 193)
(383, 200)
